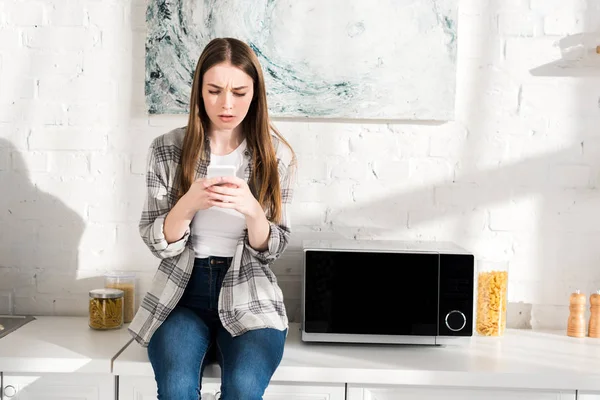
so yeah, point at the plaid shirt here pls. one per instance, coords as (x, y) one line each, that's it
(250, 297)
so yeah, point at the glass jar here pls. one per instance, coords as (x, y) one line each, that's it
(492, 285)
(106, 309)
(124, 281)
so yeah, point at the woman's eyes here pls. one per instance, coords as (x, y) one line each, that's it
(235, 94)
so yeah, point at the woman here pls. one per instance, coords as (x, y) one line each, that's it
(214, 291)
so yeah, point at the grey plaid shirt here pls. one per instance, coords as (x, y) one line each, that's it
(250, 297)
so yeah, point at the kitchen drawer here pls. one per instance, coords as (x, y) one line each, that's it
(356, 392)
(58, 386)
(588, 395)
(144, 388)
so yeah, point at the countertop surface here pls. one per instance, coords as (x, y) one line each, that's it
(519, 359)
(61, 344)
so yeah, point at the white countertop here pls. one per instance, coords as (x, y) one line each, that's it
(520, 359)
(61, 344)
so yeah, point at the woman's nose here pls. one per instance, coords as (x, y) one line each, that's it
(228, 100)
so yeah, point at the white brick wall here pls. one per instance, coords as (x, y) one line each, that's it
(514, 179)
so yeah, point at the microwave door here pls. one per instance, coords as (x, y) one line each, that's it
(375, 293)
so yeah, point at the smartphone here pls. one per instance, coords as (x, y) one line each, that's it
(215, 171)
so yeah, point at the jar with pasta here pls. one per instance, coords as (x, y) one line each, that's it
(106, 309)
(124, 281)
(492, 285)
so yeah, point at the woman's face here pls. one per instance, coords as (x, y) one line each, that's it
(227, 93)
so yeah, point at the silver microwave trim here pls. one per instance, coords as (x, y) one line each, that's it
(385, 339)
(367, 339)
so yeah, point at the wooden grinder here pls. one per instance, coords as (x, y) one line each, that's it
(594, 327)
(576, 325)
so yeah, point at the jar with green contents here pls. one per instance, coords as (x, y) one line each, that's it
(106, 309)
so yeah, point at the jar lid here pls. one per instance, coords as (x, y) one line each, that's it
(119, 274)
(106, 293)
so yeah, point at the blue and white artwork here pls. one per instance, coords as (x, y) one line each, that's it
(376, 59)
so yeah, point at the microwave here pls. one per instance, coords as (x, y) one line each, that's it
(383, 291)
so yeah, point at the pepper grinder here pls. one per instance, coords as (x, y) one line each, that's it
(594, 327)
(576, 325)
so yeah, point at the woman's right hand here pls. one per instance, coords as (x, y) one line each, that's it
(181, 215)
(196, 198)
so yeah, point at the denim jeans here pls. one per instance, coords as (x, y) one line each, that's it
(192, 336)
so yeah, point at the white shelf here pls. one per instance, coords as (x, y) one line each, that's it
(586, 67)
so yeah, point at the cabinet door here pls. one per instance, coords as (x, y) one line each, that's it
(144, 388)
(58, 386)
(308, 391)
(356, 392)
(588, 395)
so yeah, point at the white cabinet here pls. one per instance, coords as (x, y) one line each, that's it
(144, 388)
(297, 391)
(588, 395)
(58, 386)
(356, 392)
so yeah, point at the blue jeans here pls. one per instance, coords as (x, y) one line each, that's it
(192, 336)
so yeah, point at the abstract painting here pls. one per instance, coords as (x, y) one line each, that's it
(377, 59)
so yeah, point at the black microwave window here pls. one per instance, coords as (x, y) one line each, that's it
(379, 293)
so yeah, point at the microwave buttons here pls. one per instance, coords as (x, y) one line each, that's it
(455, 320)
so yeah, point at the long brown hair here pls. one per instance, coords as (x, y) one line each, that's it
(256, 126)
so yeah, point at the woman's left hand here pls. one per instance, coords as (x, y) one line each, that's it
(233, 193)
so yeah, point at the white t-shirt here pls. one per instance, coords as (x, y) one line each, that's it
(215, 231)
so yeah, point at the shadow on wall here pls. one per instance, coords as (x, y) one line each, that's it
(562, 239)
(545, 202)
(39, 240)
